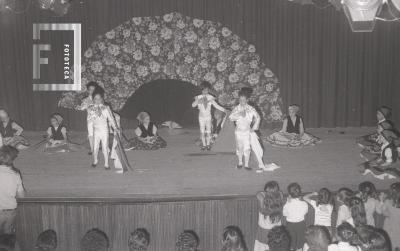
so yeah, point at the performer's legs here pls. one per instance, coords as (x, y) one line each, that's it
(96, 145)
(202, 124)
(90, 135)
(208, 126)
(104, 147)
(239, 148)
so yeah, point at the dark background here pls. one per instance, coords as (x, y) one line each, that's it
(337, 76)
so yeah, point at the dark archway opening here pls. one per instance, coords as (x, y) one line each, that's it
(164, 99)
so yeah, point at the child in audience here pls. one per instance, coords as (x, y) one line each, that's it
(295, 211)
(372, 239)
(232, 239)
(346, 234)
(139, 240)
(323, 207)
(8, 242)
(368, 194)
(342, 197)
(317, 239)
(270, 206)
(279, 239)
(390, 207)
(47, 241)
(95, 240)
(357, 211)
(187, 241)
(204, 102)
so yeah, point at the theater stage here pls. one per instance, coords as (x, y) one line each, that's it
(179, 171)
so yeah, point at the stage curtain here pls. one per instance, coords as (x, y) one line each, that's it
(337, 77)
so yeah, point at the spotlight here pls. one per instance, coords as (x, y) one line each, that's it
(361, 14)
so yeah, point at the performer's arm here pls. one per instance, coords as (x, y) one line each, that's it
(217, 106)
(301, 127)
(307, 197)
(284, 126)
(154, 130)
(17, 128)
(64, 134)
(257, 121)
(84, 105)
(196, 101)
(235, 115)
(49, 133)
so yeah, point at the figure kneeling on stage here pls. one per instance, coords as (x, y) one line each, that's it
(292, 133)
(11, 132)
(146, 135)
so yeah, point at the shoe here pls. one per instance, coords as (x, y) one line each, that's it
(89, 153)
(259, 170)
(248, 168)
(94, 165)
(208, 148)
(107, 168)
(203, 148)
(119, 171)
(239, 167)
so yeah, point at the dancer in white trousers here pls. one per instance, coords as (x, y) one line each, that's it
(86, 102)
(247, 122)
(204, 102)
(100, 116)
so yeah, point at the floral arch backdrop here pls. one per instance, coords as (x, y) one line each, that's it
(174, 46)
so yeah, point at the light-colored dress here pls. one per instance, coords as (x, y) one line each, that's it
(291, 136)
(392, 222)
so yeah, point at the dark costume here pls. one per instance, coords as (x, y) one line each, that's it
(155, 144)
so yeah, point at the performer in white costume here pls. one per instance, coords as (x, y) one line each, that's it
(86, 102)
(204, 102)
(100, 116)
(247, 122)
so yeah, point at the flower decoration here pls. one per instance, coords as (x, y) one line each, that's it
(173, 46)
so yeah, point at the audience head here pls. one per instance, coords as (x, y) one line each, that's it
(7, 155)
(370, 238)
(46, 241)
(357, 210)
(279, 239)
(205, 87)
(324, 197)
(232, 239)
(317, 238)
(273, 206)
(95, 240)
(367, 190)
(187, 241)
(91, 87)
(395, 194)
(294, 190)
(271, 186)
(139, 240)
(293, 109)
(7, 242)
(383, 113)
(343, 195)
(346, 232)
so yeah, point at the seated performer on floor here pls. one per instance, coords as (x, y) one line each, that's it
(247, 121)
(146, 135)
(11, 132)
(370, 142)
(292, 133)
(100, 116)
(56, 135)
(204, 102)
(385, 164)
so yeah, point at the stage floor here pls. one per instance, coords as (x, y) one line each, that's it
(179, 171)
